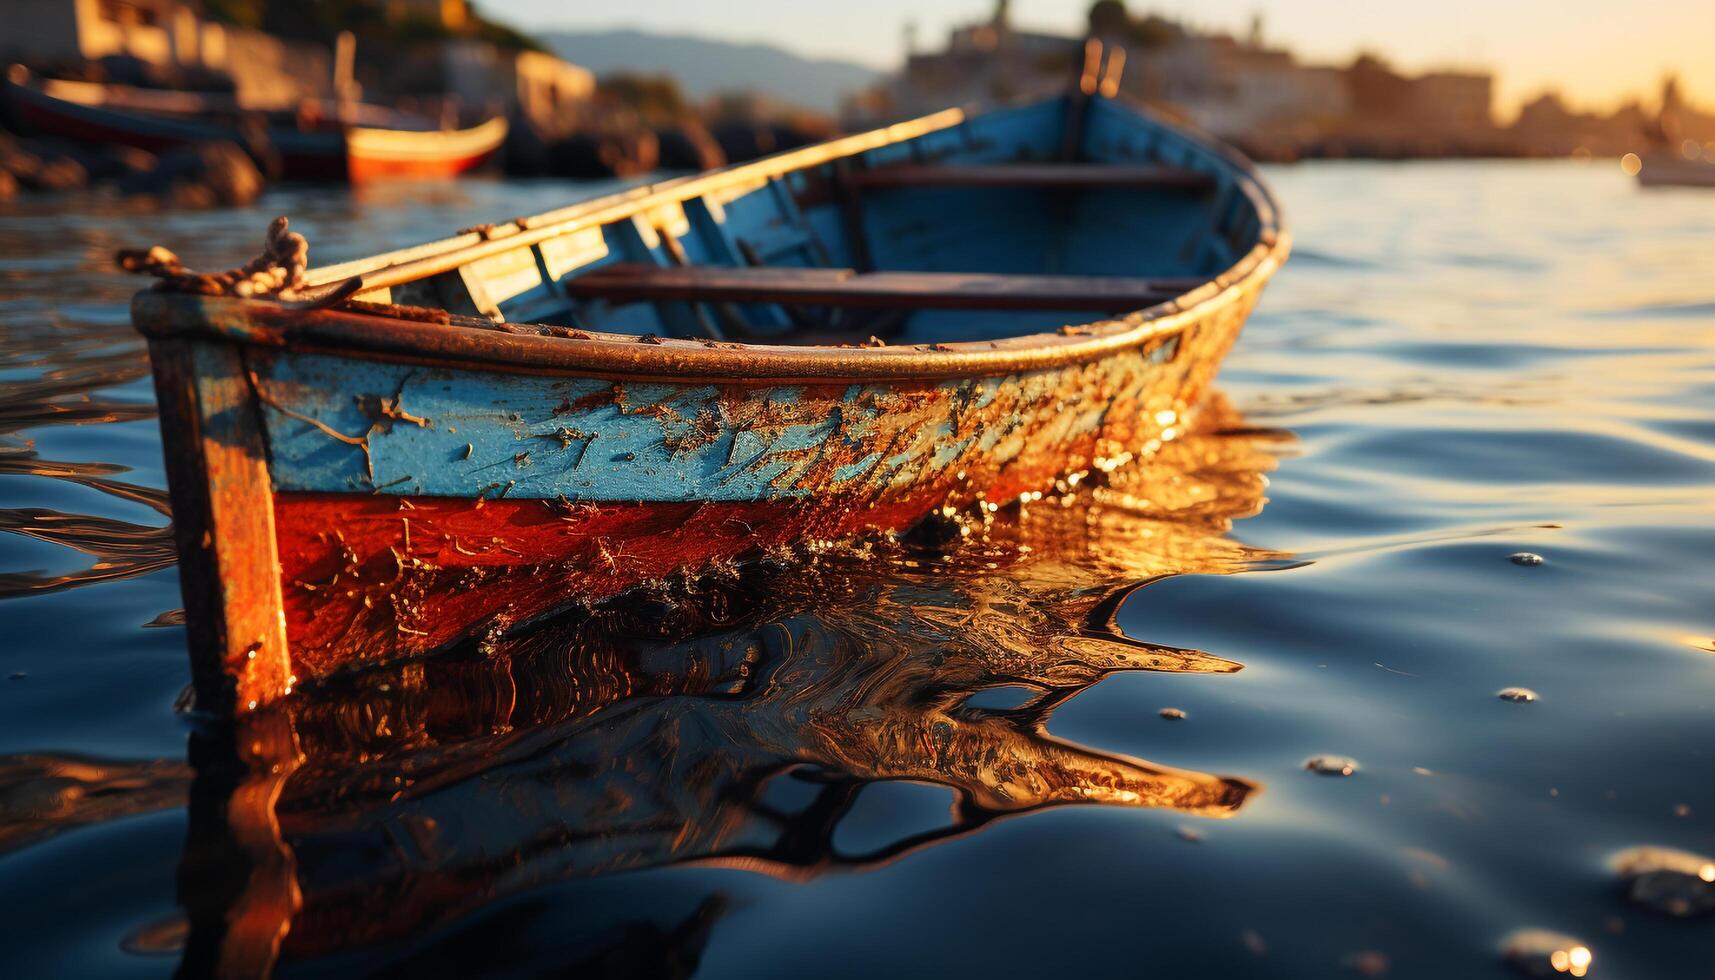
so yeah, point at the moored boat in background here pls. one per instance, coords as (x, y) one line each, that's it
(1676, 170)
(321, 140)
(468, 434)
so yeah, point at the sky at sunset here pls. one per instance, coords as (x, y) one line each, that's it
(1597, 52)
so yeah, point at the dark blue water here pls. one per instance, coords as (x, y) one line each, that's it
(912, 761)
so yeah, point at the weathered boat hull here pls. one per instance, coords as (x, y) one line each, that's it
(414, 504)
(506, 494)
(362, 483)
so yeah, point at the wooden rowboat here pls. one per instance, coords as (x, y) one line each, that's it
(350, 142)
(671, 377)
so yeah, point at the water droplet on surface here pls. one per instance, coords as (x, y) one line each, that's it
(1525, 558)
(1541, 953)
(1172, 714)
(1254, 942)
(1331, 765)
(1661, 879)
(1519, 694)
(1368, 962)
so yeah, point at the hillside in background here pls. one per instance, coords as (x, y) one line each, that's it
(704, 67)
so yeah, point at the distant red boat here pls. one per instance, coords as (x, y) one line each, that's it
(333, 142)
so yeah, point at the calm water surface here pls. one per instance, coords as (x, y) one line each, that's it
(952, 760)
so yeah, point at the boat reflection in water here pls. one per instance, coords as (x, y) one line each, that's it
(732, 721)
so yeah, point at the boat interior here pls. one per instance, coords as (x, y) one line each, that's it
(946, 229)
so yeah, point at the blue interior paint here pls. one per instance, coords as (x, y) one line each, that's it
(800, 220)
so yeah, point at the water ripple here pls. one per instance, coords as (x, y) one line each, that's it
(1473, 360)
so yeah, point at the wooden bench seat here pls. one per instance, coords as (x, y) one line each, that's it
(1069, 176)
(635, 282)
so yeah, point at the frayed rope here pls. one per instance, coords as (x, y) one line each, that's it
(277, 274)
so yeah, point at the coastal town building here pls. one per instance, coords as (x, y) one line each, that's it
(535, 86)
(1229, 85)
(982, 62)
(457, 67)
(1237, 87)
(451, 15)
(168, 36)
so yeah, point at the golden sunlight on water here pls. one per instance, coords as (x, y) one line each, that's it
(1449, 541)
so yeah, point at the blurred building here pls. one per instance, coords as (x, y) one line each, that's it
(1548, 126)
(983, 62)
(153, 31)
(1679, 121)
(168, 37)
(451, 15)
(533, 86)
(1237, 87)
(1445, 100)
(1230, 86)
(456, 67)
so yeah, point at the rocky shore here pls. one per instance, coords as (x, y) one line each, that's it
(206, 175)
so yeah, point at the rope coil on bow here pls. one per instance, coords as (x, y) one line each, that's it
(277, 273)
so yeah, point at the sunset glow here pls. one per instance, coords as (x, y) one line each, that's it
(1597, 53)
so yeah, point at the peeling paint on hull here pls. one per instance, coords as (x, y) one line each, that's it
(439, 525)
(337, 425)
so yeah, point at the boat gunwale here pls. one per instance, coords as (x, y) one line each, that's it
(523, 348)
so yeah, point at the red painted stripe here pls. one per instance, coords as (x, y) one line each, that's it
(372, 168)
(369, 577)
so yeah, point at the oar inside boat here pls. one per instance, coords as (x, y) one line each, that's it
(560, 408)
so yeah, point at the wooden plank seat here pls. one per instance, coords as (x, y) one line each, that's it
(636, 282)
(1070, 176)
